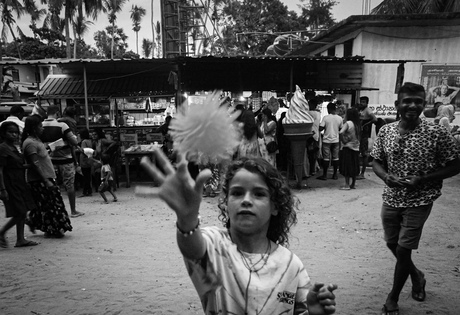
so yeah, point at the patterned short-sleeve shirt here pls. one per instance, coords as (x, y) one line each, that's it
(421, 151)
(225, 286)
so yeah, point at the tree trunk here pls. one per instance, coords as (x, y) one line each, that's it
(137, 43)
(113, 40)
(67, 31)
(74, 42)
(153, 29)
(15, 41)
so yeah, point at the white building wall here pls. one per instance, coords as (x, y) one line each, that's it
(435, 44)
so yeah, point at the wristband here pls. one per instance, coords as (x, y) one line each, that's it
(188, 233)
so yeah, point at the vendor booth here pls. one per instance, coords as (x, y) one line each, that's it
(129, 100)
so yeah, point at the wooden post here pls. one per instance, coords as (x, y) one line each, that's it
(85, 88)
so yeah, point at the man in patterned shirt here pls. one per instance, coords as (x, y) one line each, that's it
(412, 156)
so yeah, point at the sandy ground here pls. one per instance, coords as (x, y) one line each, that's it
(122, 258)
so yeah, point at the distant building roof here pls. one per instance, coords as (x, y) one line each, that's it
(356, 22)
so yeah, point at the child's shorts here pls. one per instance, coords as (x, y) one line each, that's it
(106, 186)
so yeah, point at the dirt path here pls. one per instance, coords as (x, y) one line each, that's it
(122, 258)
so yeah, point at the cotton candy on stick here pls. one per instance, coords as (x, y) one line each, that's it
(205, 132)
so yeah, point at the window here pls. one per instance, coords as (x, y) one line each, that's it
(331, 51)
(348, 48)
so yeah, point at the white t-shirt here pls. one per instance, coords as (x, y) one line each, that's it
(332, 124)
(221, 279)
(17, 121)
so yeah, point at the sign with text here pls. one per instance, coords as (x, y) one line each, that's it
(383, 110)
(128, 137)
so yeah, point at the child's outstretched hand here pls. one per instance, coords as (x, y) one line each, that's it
(177, 188)
(321, 299)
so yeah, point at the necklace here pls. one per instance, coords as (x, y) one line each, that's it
(251, 268)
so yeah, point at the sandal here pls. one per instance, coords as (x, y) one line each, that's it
(420, 296)
(386, 311)
(26, 244)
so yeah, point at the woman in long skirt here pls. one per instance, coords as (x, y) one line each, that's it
(350, 137)
(14, 190)
(50, 216)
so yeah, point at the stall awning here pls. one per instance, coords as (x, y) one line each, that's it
(72, 86)
(263, 74)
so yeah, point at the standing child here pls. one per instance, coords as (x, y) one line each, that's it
(350, 134)
(243, 268)
(106, 179)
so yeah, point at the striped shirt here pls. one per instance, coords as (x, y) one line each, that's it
(53, 131)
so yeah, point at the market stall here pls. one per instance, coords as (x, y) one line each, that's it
(120, 95)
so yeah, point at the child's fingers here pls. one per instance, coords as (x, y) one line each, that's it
(152, 170)
(182, 171)
(201, 179)
(317, 287)
(163, 161)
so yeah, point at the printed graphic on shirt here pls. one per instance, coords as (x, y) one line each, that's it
(286, 297)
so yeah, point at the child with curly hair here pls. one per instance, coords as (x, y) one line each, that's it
(244, 267)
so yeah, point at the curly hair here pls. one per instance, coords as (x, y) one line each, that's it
(280, 194)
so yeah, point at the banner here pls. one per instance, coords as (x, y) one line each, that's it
(442, 84)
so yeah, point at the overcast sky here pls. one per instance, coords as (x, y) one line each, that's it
(341, 11)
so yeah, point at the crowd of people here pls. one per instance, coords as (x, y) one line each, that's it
(38, 157)
(339, 139)
(245, 266)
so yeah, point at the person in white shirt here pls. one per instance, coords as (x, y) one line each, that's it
(16, 116)
(331, 125)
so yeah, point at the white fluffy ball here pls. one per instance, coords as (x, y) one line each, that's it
(206, 132)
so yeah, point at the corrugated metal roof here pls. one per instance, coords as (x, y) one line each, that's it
(142, 77)
(72, 86)
(105, 65)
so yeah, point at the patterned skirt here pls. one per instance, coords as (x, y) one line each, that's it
(50, 216)
(349, 162)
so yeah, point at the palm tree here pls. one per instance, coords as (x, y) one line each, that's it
(35, 13)
(137, 13)
(80, 28)
(146, 47)
(158, 38)
(55, 21)
(113, 7)
(416, 6)
(7, 8)
(92, 8)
